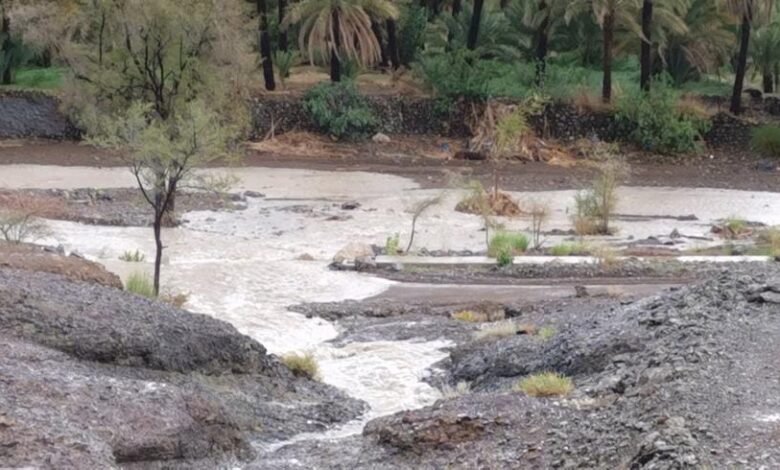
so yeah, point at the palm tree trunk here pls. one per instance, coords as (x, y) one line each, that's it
(646, 58)
(476, 19)
(769, 82)
(541, 46)
(392, 44)
(377, 30)
(335, 63)
(609, 31)
(5, 46)
(283, 43)
(456, 7)
(265, 45)
(739, 78)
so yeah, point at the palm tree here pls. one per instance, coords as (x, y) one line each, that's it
(283, 46)
(608, 14)
(539, 18)
(476, 19)
(765, 53)
(325, 24)
(265, 44)
(5, 45)
(745, 10)
(645, 57)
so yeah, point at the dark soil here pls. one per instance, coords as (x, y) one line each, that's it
(727, 169)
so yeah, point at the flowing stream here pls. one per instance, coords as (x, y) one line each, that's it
(243, 267)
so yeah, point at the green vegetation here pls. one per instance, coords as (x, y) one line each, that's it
(469, 316)
(766, 140)
(545, 384)
(570, 249)
(512, 243)
(37, 78)
(546, 333)
(340, 110)
(658, 123)
(392, 245)
(132, 257)
(140, 284)
(595, 206)
(302, 365)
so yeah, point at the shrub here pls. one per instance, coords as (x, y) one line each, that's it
(594, 207)
(339, 110)
(411, 32)
(177, 300)
(770, 238)
(284, 62)
(140, 284)
(302, 365)
(507, 242)
(133, 257)
(539, 214)
(546, 333)
(469, 316)
(766, 140)
(658, 123)
(546, 384)
(503, 329)
(21, 217)
(455, 391)
(391, 245)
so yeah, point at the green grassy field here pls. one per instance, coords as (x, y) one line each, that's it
(36, 79)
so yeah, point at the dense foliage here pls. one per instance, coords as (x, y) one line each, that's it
(658, 123)
(766, 139)
(339, 110)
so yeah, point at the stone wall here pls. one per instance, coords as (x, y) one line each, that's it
(30, 114)
(25, 114)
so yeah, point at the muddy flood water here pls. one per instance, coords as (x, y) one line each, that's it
(243, 267)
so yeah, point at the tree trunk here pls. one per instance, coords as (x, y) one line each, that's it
(541, 45)
(377, 30)
(392, 44)
(158, 252)
(769, 82)
(776, 69)
(335, 63)
(502, 4)
(5, 45)
(739, 78)
(476, 18)
(609, 30)
(456, 7)
(283, 43)
(265, 45)
(646, 58)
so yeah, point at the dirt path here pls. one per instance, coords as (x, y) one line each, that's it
(724, 170)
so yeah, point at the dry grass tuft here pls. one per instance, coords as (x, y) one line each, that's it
(302, 365)
(470, 316)
(546, 384)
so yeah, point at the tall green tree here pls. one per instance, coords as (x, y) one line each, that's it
(340, 29)
(158, 81)
(765, 53)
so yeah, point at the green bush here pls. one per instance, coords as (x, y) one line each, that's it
(411, 32)
(284, 62)
(339, 110)
(766, 140)
(14, 53)
(657, 122)
(392, 245)
(133, 257)
(140, 284)
(504, 246)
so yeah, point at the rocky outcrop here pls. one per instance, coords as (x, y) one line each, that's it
(682, 380)
(37, 258)
(94, 377)
(32, 114)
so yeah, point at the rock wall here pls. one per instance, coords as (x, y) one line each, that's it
(26, 114)
(31, 114)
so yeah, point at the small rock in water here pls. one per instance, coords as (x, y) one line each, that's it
(253, 194)
(381, 138)
(350, 205)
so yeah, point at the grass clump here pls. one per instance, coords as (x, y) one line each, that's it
(502, 329)
(570, 249)
(140, 284)
(770, 239)
(302, 365)
(455, 391)
(546, 384)
(766, 140)
(546, 333)
(177, 300)
(392, 245)
(133, 257)
(508, 244)
(469, 316)
(595, 207)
